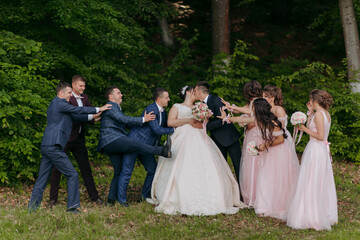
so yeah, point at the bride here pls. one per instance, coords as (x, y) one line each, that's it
(196, 180)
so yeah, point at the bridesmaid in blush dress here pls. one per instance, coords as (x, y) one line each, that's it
(315, 202)
(249, 165)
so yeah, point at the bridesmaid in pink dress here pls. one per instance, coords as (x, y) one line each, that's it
(315, 202)
(273, 95)
(279, 170)
(249, 165)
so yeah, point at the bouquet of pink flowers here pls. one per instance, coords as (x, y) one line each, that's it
(252, 149)
(201, 111)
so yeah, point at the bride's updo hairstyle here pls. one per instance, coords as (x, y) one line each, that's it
(252, 90)
(322, 97)
(266, 120)
(276, 93)
(184, 90)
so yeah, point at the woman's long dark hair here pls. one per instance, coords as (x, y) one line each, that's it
(266, 120)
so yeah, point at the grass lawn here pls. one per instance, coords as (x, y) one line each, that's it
(139, 221)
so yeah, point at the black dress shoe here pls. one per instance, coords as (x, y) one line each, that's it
(73, 210)
(98, 201)
(52, 203)
(166, 151)
(110, 203)
(124, 204)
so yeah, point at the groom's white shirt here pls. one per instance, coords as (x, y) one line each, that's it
(206, 99)
(160, 111)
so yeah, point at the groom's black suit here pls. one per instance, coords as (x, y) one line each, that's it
(224, 135)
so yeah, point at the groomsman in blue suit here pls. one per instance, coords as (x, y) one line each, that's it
(115, 142)
(149, 133)
(57, 133)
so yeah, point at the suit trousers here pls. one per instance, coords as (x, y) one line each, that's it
(128, 163)
(116, 149)
(55, 156)
(79, 150)
(234, 151)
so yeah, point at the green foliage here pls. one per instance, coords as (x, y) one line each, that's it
(26, 90)
(229, 74)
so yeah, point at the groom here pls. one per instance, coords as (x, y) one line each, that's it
(149, 133)
(225, 136)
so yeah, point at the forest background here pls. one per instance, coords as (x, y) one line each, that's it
(138, 45)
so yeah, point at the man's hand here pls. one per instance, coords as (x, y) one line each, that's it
(105, 107)
(149, 116)
(97, 117)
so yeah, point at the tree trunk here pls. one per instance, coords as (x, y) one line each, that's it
(351, 38)
(165, 32)
(220, 27)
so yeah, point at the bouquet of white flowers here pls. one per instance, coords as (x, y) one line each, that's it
(252, 149)
(297, 119)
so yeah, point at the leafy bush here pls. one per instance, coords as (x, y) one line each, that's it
(26, 91)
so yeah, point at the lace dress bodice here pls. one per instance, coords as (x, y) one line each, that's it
(183, 111)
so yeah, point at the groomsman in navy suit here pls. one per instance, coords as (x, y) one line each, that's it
(115, 142)
(149, 133)
(76, 145)
(56, 135)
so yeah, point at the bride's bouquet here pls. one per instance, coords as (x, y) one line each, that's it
(201, 111)
(252, 149)
(297, 118)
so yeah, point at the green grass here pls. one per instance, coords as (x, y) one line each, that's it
(139, 221)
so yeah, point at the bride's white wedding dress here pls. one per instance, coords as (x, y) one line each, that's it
(196, 180)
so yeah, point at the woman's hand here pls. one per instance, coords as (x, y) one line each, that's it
(227, 104)
(223, 113)
(302, 127)
(196, 124)
(261, 147)
(310, 106)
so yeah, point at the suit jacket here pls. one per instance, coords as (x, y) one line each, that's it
(150, 132)
(75, 131)
(60, 115)
(113, 125)
(225, 134)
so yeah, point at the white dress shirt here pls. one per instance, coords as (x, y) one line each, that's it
(160, 111)
(206, 99)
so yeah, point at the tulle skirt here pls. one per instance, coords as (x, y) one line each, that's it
(315, 203)
(249, 167)
(277, 181)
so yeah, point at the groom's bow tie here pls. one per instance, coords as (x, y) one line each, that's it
(161, 110)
